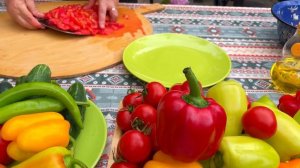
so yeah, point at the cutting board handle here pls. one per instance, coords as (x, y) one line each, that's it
(150, 8)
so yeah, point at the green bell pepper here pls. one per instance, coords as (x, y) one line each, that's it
(232, 97)
(286, 140)
(244, 152)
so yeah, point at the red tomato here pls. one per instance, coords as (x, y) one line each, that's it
(153, 92)
(145, 113)
(123, 119)
(132, 99)
(289, 104)
(123, 165)
(134, 146)
(259, 122)
(4, 158)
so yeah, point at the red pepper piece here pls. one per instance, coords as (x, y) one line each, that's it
(189, 127)
(77, 19)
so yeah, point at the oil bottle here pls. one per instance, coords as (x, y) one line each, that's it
(285, 73)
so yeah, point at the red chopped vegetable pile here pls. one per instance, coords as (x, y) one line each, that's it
(79, 20)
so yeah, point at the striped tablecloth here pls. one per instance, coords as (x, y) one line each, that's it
(248, 35)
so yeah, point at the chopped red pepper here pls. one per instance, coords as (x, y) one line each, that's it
(189, 126)
(79, 20)
(289, 104)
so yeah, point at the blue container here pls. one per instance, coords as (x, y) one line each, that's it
(288, 17)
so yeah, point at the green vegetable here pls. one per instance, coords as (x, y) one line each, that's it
(286, 140)
(244, 152)
(44, 104)
(40, 73)
(78, 92)
(21, 79)
(5, 86)
(232, 97)
(25, 90)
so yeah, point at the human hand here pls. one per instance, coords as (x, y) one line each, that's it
(24, 13)
(105, 7)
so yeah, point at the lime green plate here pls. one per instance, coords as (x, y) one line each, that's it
(92, 139)
(162, 58)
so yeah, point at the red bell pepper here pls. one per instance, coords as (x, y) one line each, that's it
(289, 104)
(185, 87)
(189, 127)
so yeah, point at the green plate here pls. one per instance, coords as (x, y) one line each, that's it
(162, 58)
(91, 141)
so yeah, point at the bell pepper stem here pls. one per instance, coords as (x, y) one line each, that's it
(194, 97)
(70, 162)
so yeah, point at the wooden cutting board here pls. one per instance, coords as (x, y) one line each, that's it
(66, 55)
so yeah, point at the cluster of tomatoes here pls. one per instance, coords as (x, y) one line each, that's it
(77, 19)
(137, 120)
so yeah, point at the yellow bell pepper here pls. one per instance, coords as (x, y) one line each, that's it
(286, 140)
(16, 153)
(232, 97)
(54, 157)
(42, 135)
(162, 160)
(17, 124)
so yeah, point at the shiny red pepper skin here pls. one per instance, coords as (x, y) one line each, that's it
(186, 131)
(185, 87)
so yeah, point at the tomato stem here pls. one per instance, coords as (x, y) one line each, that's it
(194, 97)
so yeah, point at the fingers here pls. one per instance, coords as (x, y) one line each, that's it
(28, 17)
(90, 4)
(21, 13)
(107, 7)
(102, 16)
(113, 13)
(32, 8)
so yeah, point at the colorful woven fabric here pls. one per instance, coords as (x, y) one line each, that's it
(248, 35)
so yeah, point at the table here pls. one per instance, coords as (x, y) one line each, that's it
(248, 35)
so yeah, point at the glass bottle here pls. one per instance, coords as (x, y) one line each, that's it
(285, 73)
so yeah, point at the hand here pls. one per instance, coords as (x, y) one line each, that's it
(105, 7)
(24, 13)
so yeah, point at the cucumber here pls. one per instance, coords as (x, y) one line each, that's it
(78, 92)
(40, 73)
(5, 86)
